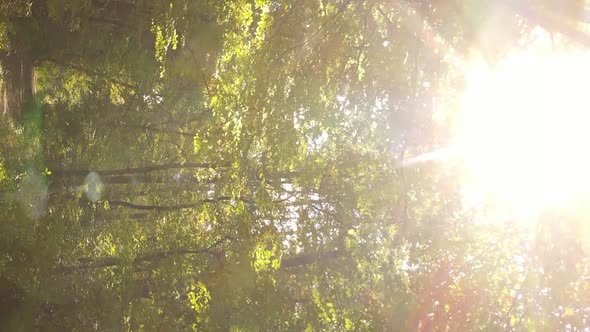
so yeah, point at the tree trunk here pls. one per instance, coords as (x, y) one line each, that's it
(138, 170)
(18, 81)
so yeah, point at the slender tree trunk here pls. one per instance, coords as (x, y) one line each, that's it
(286, 263)
(18, 77)
(137, 170)
(89, 263)
(169, 207)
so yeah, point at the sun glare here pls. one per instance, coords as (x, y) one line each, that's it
(525, 129)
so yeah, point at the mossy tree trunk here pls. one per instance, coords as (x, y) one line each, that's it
(18, 77)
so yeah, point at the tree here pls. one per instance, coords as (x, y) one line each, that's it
(217, 165)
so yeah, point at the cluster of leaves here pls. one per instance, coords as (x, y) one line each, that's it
(231, 165)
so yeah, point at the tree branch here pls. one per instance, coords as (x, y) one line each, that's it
(548, 22)
(307, 259)
(91, 73)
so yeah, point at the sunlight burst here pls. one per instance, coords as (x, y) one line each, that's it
(525, 129)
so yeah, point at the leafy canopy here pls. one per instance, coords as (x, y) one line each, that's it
(234, 165)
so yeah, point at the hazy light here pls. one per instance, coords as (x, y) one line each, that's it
(437, 155)
(32, 194)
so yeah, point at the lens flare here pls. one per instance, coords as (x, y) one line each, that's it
(93, 187)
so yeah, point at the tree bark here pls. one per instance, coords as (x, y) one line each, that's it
(18, 77)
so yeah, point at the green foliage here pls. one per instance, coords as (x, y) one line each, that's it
(247, 154)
